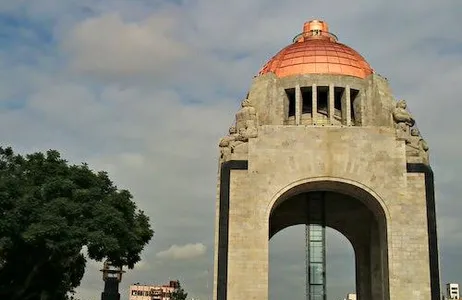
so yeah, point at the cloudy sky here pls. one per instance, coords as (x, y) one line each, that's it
(145, 88)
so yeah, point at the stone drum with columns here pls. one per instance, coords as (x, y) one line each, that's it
(319, 123)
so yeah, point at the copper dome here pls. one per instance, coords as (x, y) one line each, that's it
(316, 51)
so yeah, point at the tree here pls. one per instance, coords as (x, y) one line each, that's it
(50, 210)
(179, 293)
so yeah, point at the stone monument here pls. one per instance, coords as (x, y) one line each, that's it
(319, 123)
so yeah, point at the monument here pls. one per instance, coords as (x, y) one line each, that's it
(320, 130)
(112, 276)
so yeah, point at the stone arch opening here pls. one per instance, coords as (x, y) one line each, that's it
(350, 210)
(287, 260)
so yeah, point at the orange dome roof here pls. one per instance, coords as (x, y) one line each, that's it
(316, 51)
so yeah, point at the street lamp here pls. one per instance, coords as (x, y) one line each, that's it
(112, 276)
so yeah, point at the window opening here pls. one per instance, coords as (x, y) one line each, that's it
(338, 95)
(290, 93)
(353, 107)
(323, 99)
(307, 99)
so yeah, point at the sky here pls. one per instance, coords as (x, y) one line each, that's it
(144, 89)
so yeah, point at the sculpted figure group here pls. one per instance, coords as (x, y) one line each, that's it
(245, 128)
(415, 144)
(402, 117)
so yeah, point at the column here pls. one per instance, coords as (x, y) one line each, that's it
(377, 265)
(331, 109)
(314, 107)
(348, 105)
(363, 276)
(298, 105)
(315, 238)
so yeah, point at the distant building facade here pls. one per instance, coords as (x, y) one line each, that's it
(152, 292)
(350, 296)
(452, 291)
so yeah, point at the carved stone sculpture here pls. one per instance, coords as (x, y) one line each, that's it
(239, 135)
(242, 135)
(227, 142)
(416, 145)
(246, 119)
(403, 119)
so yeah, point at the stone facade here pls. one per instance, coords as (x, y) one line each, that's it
(356, 148)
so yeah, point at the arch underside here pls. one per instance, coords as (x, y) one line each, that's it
(354, 213)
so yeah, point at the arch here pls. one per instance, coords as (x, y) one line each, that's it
(348, 237)
(291, 240)
(332, 184)
(346, 201)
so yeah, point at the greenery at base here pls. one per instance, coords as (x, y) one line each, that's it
(49, 210)
(179, 293)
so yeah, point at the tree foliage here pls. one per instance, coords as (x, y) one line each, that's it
(49, 210)
(179, 293)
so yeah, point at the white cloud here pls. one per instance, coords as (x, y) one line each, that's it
(192, 63)
(109, 46)
(187, 251)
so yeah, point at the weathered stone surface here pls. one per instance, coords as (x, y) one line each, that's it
(416, 147)
(234, 145)
(404, 120)
(373, 200)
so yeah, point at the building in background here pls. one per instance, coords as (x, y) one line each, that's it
(350, 296)
(452, 291)
(152, 292)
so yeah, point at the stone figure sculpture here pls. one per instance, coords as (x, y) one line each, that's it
(416, 145)
(403, 119)
(239, 135)
(226, 143)
(246, 121)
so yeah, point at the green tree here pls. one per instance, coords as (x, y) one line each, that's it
(179, 293)
(49, 210)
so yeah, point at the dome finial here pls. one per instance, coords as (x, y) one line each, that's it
(315, 29)
(315, 25)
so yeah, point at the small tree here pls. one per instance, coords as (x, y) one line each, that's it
(49, 210)
(179, 293)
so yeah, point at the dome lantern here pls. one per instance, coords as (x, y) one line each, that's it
(317, 51)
